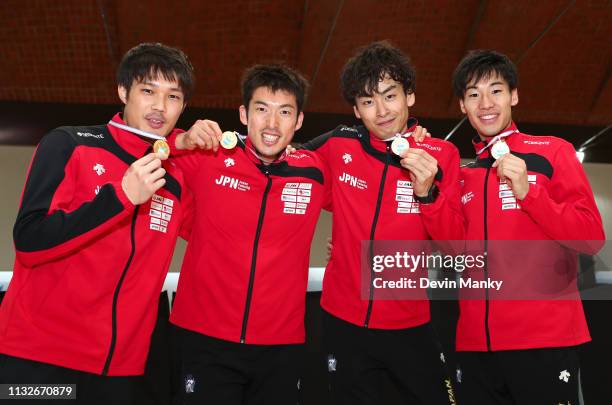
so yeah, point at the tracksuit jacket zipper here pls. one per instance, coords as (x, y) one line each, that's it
(113, 341)
(486, 269)
(262, 212)
(372, 232)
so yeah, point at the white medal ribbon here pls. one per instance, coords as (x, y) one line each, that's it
(398, 135)
(136, 131)
(497, 139)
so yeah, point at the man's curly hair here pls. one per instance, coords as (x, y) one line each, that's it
(371, 64)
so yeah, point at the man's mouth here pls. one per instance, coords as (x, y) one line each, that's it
(386, 123)
(270, 139)
(155, 122)
(488, 118)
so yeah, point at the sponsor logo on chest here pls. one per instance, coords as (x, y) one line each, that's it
(353, 181)
(506, 196)
(160, 213)
(296, 197)
(232, 182)
(404, 196)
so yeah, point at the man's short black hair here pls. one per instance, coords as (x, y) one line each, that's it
(151, 60)
(483, 64)
(275, 77)
(371, 64)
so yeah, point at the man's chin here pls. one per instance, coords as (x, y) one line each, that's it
(269, 153)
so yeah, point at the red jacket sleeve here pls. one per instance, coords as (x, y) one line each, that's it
(321, 147)
(46, 228)
(565, 210)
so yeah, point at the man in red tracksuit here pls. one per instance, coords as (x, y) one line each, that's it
(378, 195)
(94, 236)
(519, 351)
(240, 301)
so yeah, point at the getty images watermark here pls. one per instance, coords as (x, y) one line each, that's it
(493, 270)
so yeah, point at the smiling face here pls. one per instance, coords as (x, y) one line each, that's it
(271, 119)
(488, 105)
(153, 105)
(385, 113)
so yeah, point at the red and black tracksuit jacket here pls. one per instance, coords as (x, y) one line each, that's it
(368, 204)
(245, 271)
(558, 207)
(89, 264)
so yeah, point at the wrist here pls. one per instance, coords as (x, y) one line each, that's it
(179, 141)
(521, 196)
(430, 197)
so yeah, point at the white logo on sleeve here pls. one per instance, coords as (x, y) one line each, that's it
(189, 384)
(90, 135)
(97, 190)
(442, 358)
(296, 197)
(564, 376)
(467, 197)
(331, 363)
(347, 158)
(160, 213)
(229, 162)
(99, 169)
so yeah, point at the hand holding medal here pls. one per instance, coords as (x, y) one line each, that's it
(204, 134)
(513, 169)
(423, 169)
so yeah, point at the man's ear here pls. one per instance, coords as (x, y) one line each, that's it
(123, 94)
(462, 106)
(300, 119)
(514, 97)
(410, 99)
(243, 115)
(356, 111)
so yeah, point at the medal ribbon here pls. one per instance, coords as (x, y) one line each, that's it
(398, 135)
(497, 139)
(136, 131)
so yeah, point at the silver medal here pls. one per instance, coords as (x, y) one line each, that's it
(399, 145)
(499, 149)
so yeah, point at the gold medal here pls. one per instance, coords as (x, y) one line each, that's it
(161, 147)
(399, 145)
(499, 149)
(229, 140)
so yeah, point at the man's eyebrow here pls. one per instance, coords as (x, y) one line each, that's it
(276, 104)
(474, 86)
(155, 84)
(388, 89)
